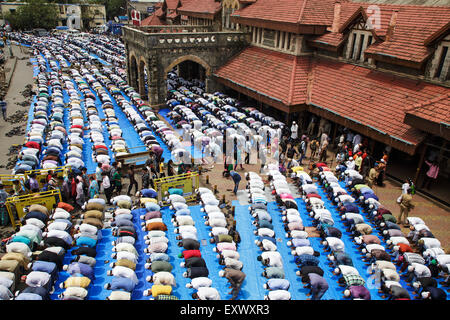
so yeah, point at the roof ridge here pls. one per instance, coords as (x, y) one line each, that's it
(301, 11)
(429, 101)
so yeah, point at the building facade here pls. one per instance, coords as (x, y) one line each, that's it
(382, 70)
(77, 16)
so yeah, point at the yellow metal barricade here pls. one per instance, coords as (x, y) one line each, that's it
(7, 180)
(188, 182)
(16, 205)
(41, 174)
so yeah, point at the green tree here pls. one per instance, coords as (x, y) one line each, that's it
(34, 14)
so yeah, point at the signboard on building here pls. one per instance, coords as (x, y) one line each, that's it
(136, 17)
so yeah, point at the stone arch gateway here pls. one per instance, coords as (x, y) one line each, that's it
(162, 51)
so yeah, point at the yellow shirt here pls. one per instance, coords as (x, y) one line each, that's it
(158, 289)
(126, 263)
(82, 282)
(161, 167)
(143, 201)
(297, 168)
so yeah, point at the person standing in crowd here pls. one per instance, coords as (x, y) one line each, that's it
(303, 148)
(311, 126)
(117, 181)
(170, 169)
(113, 170)
(323, 151)
(381, 171)
(365, 165)
(145, 179)
(406, 206)
(3, 194)
(373, 175)
(80, 198)
(85, 178)
(358, 161)
(161, 168)
(3, 106)
(34, 184)
(93, 187)
(132, 178)
(431, 175)
(291, 152)
(107, 187)
(98, 174)
(314, 146)
(294, 131)
(65, 188)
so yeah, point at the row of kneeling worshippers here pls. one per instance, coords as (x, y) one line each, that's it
(42, 243)
(276, 284)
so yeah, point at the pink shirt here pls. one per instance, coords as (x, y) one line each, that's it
(433, 171)
(226, 246)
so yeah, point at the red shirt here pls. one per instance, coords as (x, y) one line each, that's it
(321, 164)
(191, 253)
(33, 144)
(403, 247)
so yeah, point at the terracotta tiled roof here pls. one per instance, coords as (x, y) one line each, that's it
(333, 39)
(172, 4)
(372, 98)
(369, 98)
(414, 25)
(281, 77)
(154, 19)
(434, 110)
(308, 12)
(200, 6)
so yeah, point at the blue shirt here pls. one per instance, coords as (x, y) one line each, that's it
(278, 284)
(28, 296)
(300, 242)
(265, 224)
(151, 206)
(3, 105)
(183, 212)
(159, 256)
(307, 260)
(121, 283)
(261, 238)
(86, 241)
(36, 214)
(149, 193)
(44, 266)
(81, 268)
(351, 207)
(235, 176)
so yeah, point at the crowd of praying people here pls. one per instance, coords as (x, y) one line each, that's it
(221, 128)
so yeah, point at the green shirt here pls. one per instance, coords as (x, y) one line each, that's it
(117, 179)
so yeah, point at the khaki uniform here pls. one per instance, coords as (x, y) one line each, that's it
(406, 206)
(373, 173)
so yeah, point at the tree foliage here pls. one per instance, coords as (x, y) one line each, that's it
(34, 14)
